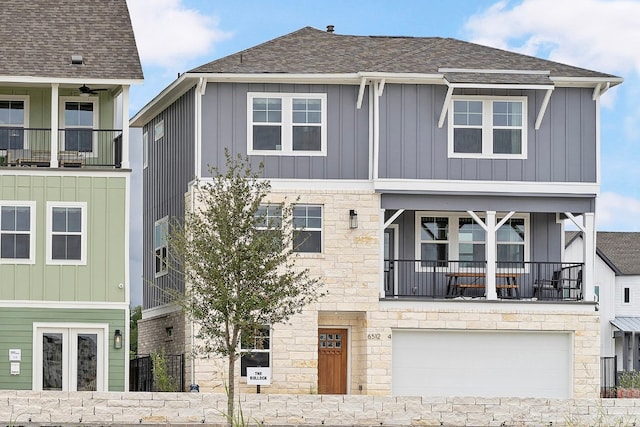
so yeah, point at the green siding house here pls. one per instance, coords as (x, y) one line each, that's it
(64, 194)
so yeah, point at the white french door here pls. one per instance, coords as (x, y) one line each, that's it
(69, 358)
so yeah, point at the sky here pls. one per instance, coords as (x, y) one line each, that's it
(174, 36)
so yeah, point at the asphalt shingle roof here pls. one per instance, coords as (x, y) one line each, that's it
(622, 249)
(38, 37)
(310, 50)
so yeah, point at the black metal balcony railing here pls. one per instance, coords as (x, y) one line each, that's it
(76, 147)
(549, 281)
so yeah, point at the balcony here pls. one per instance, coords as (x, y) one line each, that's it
(532, 281)
(77, 148)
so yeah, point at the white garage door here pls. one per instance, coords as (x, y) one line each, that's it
(479, 363)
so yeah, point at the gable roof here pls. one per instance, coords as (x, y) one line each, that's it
(619, 250)
(622, 249)
(38, 37)
(309, 51)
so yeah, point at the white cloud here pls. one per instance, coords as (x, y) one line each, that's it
(615, 212)
(169, 34)
(595, 34)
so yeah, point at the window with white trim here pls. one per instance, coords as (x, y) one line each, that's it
(161, 246)
(158, 130)
(493, 127)
(67, 233)
(287, 124)
(145, 149)
(307, 228)
(443, 237)
(256, 349)
(268, 216)
(17, 232)
(79, 119)
(13, 121)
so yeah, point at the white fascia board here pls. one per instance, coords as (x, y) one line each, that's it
(278, 184)
(161, 310)
(162, 100)
(341, 78)
(486, 187)
(585, 81)
(499, 86)
(492, 71)
(73, 305)
(67, 80)
(416, 78)
(84, 172)
(500, 306)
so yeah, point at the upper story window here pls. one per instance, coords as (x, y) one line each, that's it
(458, 238)
(13, 120)
(158, 130)
(145, 149)
(307, 228)
(161, 246)
(287, 124)
(17, 232)
(491, 127)
(79, 121)
(67, 232)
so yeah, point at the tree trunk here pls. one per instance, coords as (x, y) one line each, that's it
(232, 389)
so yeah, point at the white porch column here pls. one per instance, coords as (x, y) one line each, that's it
(588, 271)
(490, 279)
(54, 125)
(381, 251)
(125, 127)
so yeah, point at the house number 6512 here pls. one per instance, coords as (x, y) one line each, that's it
(373, 336)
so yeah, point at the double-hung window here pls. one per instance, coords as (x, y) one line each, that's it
(444, 238)
(67, 232)
(307, 228)
(492, 127)
(79, 119)
(13, 120)
(287, 124)
(256, 346)
(161, 246)
(268, 216)
(17, 232)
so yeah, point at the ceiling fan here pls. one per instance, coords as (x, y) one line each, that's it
(86, 90)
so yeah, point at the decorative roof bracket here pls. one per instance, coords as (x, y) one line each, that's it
(543, 108)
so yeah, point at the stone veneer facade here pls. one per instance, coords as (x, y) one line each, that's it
(348, 267)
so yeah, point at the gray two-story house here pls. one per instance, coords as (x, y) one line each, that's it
(432, 176)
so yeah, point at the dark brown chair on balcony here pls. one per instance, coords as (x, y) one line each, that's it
(554, 284)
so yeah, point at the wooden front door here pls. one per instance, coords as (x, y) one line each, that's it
(332, 361)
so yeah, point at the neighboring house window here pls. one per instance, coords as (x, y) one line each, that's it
(447, 237)
(158, 130)
(79, 121)
(627, 295)
(161, 230)
(13, 120)
(67, 232)
(17, 232)
(307, 228)
(258, 343)
(488, 127)
(287, 124)
(145, 149)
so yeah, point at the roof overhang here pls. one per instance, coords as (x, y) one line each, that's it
(47, 81)
(627, 324)
(585, 81)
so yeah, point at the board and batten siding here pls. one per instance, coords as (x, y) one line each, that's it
(412, 146)
(224, 125)
(16, 332)
(165, 181)
(98, 280)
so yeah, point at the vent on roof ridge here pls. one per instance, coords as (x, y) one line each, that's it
(330, 28)
(77, 60)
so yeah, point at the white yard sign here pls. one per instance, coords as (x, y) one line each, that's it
(258, 376)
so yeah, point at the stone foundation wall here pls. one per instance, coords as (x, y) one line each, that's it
(29, 408)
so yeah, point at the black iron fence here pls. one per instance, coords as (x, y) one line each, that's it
(608, 376)
(78, 148)
(553, 281)
(169, 377)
